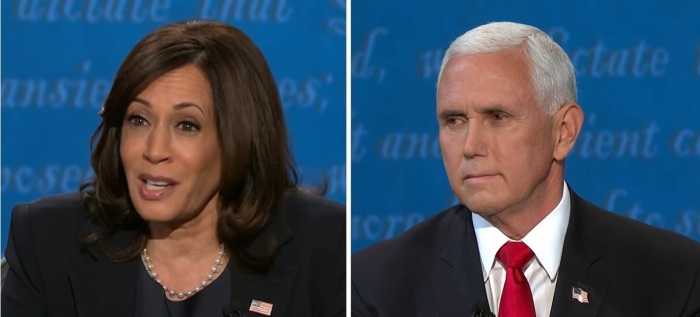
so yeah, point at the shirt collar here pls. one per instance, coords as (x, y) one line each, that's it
(546, 239)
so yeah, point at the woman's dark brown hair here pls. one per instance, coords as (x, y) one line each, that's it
(257, 167)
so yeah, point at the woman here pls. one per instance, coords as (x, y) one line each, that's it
(194, 210)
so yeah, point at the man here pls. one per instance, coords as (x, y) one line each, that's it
(522, 243)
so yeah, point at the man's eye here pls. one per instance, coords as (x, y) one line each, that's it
(451, 121)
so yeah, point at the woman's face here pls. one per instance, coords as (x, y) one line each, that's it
(170, 150)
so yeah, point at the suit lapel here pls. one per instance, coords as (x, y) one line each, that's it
(457, 281)
(101, 287)
(274, 286)
(585, 264)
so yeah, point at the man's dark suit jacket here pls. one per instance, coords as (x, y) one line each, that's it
(434, 269)
(50, 276)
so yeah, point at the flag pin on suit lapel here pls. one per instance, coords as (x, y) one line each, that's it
(260, 307)
(579, 294)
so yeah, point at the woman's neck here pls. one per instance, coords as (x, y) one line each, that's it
(183, 254)
(193, 239)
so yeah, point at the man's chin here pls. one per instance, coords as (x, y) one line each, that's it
(481, 206)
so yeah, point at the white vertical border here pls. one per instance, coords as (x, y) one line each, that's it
(348, 158)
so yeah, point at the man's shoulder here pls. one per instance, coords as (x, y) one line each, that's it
(417, 245)
(623, 233)
(392, 271)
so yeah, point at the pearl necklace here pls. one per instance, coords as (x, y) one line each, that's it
(182, 294)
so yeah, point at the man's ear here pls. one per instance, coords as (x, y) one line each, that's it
(567, 125)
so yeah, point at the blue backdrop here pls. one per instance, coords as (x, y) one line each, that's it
(59, 58)
(637, 69)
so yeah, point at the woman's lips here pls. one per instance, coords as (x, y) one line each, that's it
(155, 187)
(149, 192)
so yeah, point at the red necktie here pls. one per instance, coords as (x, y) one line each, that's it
(516, 299)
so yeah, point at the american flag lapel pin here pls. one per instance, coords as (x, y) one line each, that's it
(260, 307)
(579, 294)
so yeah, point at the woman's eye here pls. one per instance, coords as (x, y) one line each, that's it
(136, 121)
(188, 126)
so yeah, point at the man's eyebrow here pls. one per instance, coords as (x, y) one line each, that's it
(492, 108)
(444, 114)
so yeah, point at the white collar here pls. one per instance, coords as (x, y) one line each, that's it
(546, 239)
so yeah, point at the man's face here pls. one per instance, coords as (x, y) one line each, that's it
(497, 144)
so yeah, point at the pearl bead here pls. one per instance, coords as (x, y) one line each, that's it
(181, 294)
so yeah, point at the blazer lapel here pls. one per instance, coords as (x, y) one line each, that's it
(457, 280)
(585, 264)
(101, 287)
(271, 287)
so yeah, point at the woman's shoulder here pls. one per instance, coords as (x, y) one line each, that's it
(311, 216)
(314, 255)
(50, 217)
(308, 207)
(54, 209)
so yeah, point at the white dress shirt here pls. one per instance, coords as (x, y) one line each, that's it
(546, 241)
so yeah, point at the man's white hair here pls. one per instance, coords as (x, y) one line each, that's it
(551, 71)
